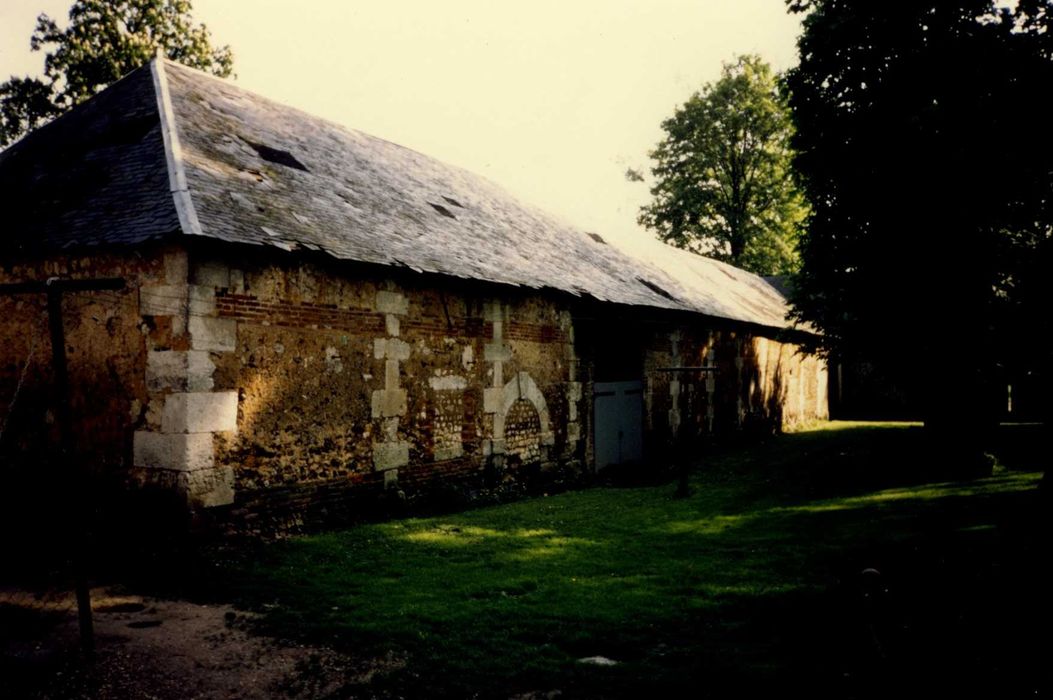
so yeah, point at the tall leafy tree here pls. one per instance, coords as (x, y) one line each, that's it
(923, 146)
(25, 103)
(722, 174)
(103, 40)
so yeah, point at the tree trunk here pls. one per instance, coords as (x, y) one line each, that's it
(959, 417)
(1045, 487)
(959, 349)
(737, 244)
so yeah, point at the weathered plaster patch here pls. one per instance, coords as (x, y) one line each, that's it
(497, 352)
(178, 452)
(391, 349)
(179, 370)
(391, 303)
(213, 334)
(237, 281)
(200, 412)
(207, 488)
(493, 398)
(390, 455)
(573, 397)
(176, 265)
(332, 360)
(448, 382)
(211, 274)
(387, 403)
(163, 300)
(391, 402)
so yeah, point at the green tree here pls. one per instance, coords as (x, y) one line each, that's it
(723, 184)
(25, 103)
(924, 150)
(104, 40)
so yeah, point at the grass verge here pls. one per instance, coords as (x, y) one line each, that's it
(822, 559)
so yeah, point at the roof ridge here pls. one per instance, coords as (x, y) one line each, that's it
(184, 204)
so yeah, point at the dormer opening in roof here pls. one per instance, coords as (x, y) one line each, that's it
(442, 210)
(596, 237)
(277, 155)
(454, 202)
(656, 289)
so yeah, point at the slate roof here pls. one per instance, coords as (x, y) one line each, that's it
(169, 151)
(95, 175)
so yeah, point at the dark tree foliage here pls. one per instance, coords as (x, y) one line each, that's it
(25, 103)
(103, 40)
(925, 151)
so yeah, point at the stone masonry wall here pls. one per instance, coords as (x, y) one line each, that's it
(756, 383)
(105, 336)
(385, 383)
(174, 447)
(240, 379)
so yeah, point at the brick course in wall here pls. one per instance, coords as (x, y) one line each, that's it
(288, 314)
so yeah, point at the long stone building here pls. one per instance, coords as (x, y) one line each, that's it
(309, 311)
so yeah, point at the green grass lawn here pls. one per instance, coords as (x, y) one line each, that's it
(754, 581)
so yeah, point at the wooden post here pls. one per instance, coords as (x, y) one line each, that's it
(54, 288)
(683, 490)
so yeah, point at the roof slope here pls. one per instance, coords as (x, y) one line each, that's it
(173, 151)
(97, 174)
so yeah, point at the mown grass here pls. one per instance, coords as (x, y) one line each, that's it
(755, 581)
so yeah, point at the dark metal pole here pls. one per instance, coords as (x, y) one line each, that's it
(69, 474)
(680, 448)
(58, 358)
(683, 490)
(53, 288)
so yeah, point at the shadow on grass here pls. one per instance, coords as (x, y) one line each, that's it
(821, 559)
(831, 560)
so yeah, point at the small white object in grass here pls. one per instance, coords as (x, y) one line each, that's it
(598, 661)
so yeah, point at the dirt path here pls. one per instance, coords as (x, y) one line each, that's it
(164, 650)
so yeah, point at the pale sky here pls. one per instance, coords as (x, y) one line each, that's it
(551, 99)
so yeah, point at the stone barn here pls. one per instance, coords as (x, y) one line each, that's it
(310, 313)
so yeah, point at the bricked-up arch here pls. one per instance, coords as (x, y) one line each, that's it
(522, 386)
(523, 432)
